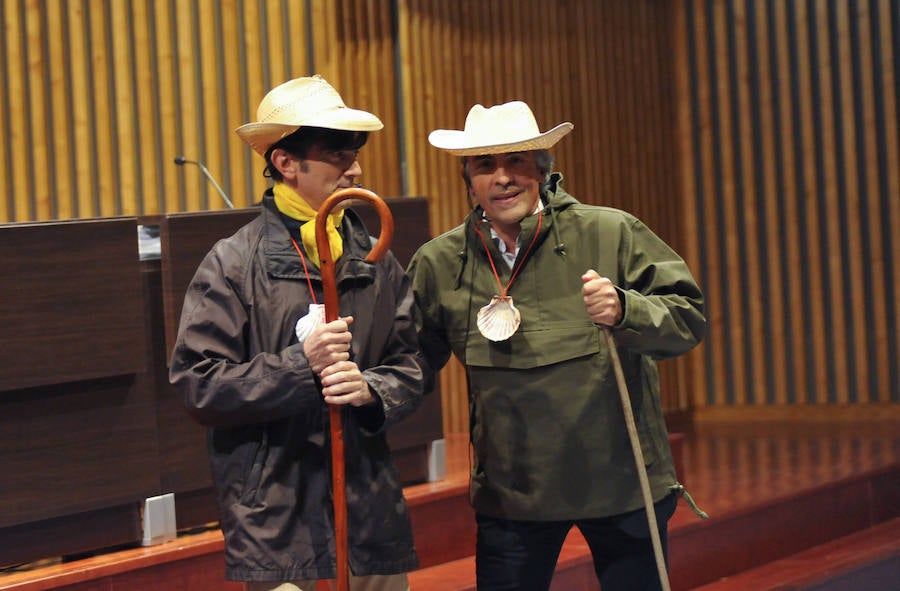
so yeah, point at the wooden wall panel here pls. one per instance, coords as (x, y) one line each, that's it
(354, 50)
(788, 130)
(759, 138)
(100, 95)
(141, 82)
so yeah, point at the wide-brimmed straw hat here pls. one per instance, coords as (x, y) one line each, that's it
(310, 102)
(510, 127)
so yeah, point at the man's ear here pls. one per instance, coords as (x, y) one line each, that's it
(282, 160)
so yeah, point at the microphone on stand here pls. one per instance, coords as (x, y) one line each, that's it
(181, 161)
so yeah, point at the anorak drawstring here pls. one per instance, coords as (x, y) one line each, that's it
(560, 247)
(679, 488)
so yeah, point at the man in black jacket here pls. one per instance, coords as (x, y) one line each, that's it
(258, 365)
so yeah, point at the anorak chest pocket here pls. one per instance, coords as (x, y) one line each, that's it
(528, 349)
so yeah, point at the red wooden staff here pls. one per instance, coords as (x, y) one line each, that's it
(332, 312)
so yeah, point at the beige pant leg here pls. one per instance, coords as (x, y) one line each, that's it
(370, 583)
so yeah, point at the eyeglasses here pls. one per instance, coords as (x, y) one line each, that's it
(343, 159)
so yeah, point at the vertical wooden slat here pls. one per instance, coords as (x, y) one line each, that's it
(771, 170)
(188, 109)
(889, 187)
(746, 206)
(36, 106)
(790, 192)
(844, 213)
(257, 85)
(771, 312)
(709, 158)
(610, 104)
(236, 110)
(730, 263)
(60, 172)
(383, 78)
(760, 176)
(406, 26)
(703, 165)
(858, 92)
(7, 60)
(143, 83)
(210, 140)
(812, 305)
(831, 189)
(274, 42)
(584, 62)
(103, 111)
(807, 305)
(873, 376)
(880, 335)
(693, 383)
(166, 115)
(118, 35)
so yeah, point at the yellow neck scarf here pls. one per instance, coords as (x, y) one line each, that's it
(295, 207)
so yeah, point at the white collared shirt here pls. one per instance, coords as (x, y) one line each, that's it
(509, 257)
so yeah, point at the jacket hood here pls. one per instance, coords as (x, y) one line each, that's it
(555, 199)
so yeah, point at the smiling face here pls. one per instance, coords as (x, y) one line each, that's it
(507, 186)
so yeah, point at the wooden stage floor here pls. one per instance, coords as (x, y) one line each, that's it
(772, 489)
(777, 488)
(732, 465)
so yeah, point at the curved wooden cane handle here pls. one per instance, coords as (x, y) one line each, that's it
(332, 312)
(327, 263)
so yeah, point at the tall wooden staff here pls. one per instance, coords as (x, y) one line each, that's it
(332, 312)
(638, 460)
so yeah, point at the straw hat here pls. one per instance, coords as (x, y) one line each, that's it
(302, 102)
(510, 127)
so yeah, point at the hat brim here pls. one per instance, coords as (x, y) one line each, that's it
(262, 136)
(458, 143)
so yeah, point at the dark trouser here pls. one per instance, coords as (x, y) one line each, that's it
(521, 555)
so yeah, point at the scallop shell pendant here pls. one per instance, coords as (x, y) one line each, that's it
(499, 320)
(306, 324)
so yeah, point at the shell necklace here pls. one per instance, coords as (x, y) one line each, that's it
(316, 314)
(500, 319)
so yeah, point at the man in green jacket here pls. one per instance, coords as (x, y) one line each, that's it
(520, 293)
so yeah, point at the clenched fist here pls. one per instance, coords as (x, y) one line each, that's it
(601, 300)
(327, 350)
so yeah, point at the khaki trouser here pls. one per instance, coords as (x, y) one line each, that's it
(369, 583)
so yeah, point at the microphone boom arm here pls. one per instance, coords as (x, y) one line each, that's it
(181, 160)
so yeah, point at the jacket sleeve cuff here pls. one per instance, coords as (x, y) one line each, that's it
(371, 417)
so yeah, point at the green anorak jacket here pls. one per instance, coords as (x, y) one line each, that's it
(546, 423)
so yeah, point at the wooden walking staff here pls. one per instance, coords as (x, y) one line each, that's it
(638, 459)
(332, 312)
